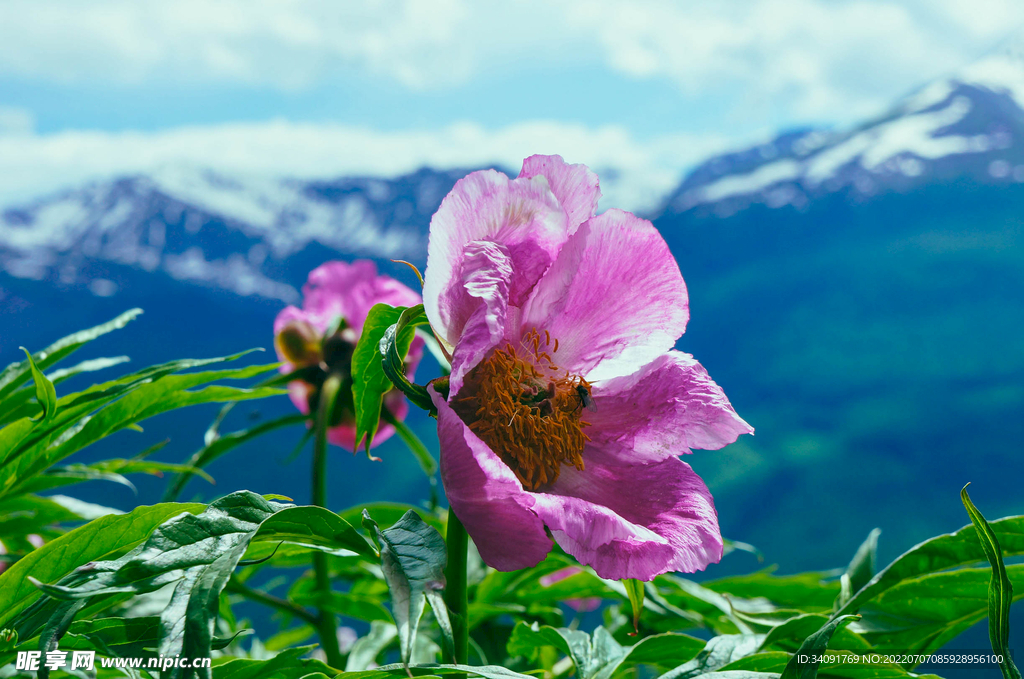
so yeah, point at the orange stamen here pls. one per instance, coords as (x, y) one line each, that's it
(519, 405)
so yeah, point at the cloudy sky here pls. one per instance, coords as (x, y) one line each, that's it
(320, 88)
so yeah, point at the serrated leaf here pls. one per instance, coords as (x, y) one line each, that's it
(1000, 591)
(369, 383)
(46, 395)
(104, 538)
(413, 558)
(814, 646)
(196, 552)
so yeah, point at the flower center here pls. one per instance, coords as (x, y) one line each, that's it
(527, 410)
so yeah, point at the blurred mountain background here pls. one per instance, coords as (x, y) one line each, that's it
(857, 289)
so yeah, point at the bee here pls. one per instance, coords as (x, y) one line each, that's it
(586, 400)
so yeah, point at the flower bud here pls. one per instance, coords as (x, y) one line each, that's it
(299, 343)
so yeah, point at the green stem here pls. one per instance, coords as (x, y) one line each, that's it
(326, 625)
(455, 594)
(272, 601)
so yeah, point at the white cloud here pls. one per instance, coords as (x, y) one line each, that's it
(824, 58)
(635, 174)
(14, 120)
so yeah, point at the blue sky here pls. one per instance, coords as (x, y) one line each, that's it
(316, 88)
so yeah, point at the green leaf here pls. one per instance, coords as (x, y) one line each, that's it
(717, 653)
(922, 614)
(17, 373)
(811, 592)
(316, 527)
(103, 538)
(197, 553)
(46, 395)
(845, 665)
(791, 634)
(386, 514)
(394, 345)
(594, 656)
(120, 405)
(369, 383)
(800, 668)
(413, 558)
(287, 664)
(861, 568)
(1000, 591)
(365, 651)
(940, 553)
(426, 670)
(635, 591)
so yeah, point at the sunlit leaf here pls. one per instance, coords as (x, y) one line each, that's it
(1000, 591)
(104, 538)
(369, 383)
(46, 396)
(413, 558)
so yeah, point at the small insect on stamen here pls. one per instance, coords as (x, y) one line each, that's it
(586, 400)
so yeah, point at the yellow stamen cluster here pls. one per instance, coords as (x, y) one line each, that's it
(527, 410)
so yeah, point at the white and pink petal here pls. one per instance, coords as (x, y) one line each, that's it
(614, 298)
(633, 521)
(669, 407)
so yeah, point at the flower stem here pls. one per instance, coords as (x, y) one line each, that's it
(272, 601)
(325, 623)
(455, 594)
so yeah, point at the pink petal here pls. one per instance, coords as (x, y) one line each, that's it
(487, 497)
(614, 298)
(668, 407)
(522, 215)
(350, 290)
(633, 521)
(486, 277)
(575, 186)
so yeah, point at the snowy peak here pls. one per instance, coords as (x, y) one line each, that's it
(239, 234)
(971, 124)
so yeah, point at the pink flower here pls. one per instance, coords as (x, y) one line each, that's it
(339, 295)
(567, 405)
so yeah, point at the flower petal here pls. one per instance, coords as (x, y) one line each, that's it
(668, 407)
(614, 297)
(523, 215)
(487, 497)
(486, 276)
(633, 521)
(575, 186)
(350, 290)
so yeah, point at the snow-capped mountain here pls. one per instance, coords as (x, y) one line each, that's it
(969, 124)
(245, 235)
